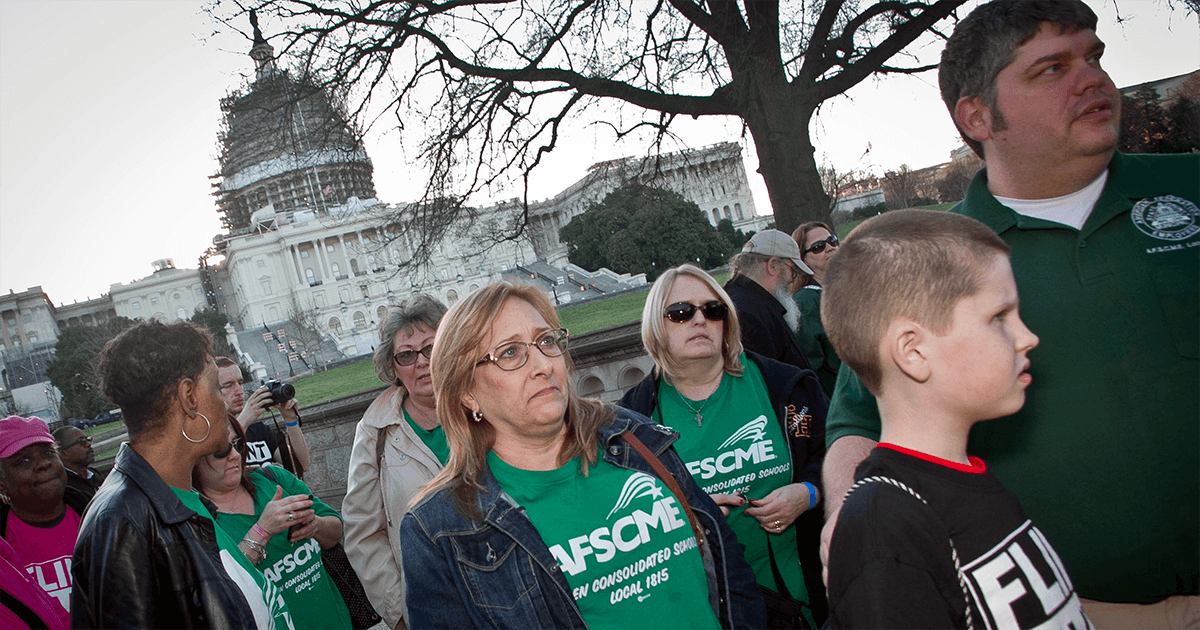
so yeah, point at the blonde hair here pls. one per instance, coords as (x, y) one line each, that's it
(904, 263)
(456, 349)
(654, 328)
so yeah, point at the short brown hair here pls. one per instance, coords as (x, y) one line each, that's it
(456, 349)
(986, 41)
(905, 263)
(654, 331)
(139, 368)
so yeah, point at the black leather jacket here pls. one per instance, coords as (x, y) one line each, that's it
(144, 560)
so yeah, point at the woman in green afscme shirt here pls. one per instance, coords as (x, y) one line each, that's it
(731, 435)
(281, 528)
(545, 517)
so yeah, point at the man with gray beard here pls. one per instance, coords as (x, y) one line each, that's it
(761, 289)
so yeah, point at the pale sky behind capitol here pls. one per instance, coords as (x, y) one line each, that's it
(109, 114)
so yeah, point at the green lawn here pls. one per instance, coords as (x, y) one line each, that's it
(342, 381)
(585, 318)
(101, 428)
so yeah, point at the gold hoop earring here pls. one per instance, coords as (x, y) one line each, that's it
(206, 433)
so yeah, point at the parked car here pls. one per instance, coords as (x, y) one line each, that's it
(106, 417)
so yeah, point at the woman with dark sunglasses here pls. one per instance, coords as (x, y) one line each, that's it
(817, 244)
(282, 529)
(399, 446)
(751, 432)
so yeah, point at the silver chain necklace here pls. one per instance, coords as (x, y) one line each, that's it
(699, 412)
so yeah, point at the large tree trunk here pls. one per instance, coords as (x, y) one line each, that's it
(786, 159)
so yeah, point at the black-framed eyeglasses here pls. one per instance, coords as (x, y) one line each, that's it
(515, 354)
(85, 440)
(409, 357)
(819, 246)
(683, 312)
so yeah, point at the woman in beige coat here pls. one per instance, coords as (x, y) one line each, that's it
(398, 447)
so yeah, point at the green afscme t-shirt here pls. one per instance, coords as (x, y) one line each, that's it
(739, 446)
(623, 542)
(295, 568)
(270, 610)
(434, 439)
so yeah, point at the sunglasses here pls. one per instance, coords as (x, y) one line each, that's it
(819, 246)
(236, 443)
(683, 312)
(409, 357)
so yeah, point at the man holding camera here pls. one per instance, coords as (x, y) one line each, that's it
(263, 445)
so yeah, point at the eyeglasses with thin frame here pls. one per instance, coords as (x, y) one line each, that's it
(819, 246)
(409, 357)
(515, 354)
(85, 440)
(683, 312)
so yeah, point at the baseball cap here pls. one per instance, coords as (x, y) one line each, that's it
(16, 433)
(776, 244)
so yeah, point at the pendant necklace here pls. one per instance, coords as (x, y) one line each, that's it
(699, 415)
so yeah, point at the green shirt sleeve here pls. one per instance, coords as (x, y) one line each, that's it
(852, 410)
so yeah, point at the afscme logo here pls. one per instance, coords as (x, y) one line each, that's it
(753, 430)
(628, 532)
(638, 485)
(760, 450)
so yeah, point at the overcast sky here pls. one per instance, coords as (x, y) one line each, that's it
(109, 113)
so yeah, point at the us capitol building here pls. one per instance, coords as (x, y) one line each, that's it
(307, 251)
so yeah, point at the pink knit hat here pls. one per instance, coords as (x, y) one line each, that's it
(16, 433)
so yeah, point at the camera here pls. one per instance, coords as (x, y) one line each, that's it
(280, 392)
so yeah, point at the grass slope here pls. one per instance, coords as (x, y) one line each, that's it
(341, 381)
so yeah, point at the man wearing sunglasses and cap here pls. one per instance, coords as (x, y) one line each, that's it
(761, 289)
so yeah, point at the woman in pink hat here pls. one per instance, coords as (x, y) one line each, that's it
(39, 514)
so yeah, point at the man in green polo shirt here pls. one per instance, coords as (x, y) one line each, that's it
(1106, 254)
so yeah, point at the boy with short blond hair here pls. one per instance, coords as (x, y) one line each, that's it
(923, 307)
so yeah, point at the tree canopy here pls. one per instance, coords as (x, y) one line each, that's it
(491, 86)
(72, 370)
(639, 229)
(1147, 126)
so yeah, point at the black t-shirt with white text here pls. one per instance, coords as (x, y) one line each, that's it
(891, 564)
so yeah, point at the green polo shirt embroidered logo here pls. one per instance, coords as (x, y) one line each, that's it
(622, 540)
(1168, 217)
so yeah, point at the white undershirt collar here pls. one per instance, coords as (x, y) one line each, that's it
(1071, 210)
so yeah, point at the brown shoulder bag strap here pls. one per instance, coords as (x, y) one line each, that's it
(669, 479)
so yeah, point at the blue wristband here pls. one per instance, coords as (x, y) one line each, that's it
(812, 494)
(297, 423)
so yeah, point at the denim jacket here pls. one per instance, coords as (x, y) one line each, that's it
(498, 573)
